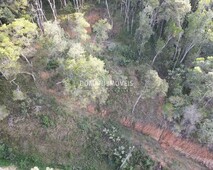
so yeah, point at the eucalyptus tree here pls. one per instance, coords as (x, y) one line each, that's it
(146, 24)
(200, 81)
(152, 87)
(63, 3)
(199, 30)
(38, 13)
(53, 8)
(128, 10)
(78, 4)
(169, 21)
(189, 30)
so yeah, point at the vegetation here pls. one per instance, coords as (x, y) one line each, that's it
(70, 71)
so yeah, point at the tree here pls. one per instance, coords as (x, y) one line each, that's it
(200, 81)
(53, 8)
(199, 24)
(78, 4)
(9, 10)
(152, 87)
(206, 131)
(38, 13)
(173, 10)
(85, 80)
(54, 38)
(101, 28)
(76, 51)
(154, 18)
(145, 29)
(6, 16)
(129, 10)
(191, 116)
(14, 38)
(169, 20)
(84, 75)
(80, 27)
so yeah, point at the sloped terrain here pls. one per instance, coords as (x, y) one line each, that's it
(169, 140)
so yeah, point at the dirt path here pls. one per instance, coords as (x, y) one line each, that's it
(169, 140)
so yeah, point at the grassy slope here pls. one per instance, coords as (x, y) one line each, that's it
(58, 134)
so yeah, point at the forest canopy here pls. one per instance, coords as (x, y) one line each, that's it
(50, 50)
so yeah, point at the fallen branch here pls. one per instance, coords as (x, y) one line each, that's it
(27, 60)
(13, 81)
(127, 157)
(32, 75)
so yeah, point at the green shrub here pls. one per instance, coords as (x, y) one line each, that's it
(6, 152)
(154, 85)
(52, 64)
(200, 59)
(168, 111)
(25, 107)
(206, 131)
(18, 95)
(3, 112)
(107, 143)
(46, 121)
(210, 58)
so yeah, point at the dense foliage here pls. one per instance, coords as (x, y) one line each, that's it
(164, 48)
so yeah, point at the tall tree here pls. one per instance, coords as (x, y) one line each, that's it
(146, 23)
(199, 24)
(38, 13)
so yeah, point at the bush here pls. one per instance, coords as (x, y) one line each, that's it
(206, 131)
(154, 85)
(3, 112)
(54, 38)
(18, 95)
(191, 116)
(101, 28)
(52, 64)
(116, 149)
(46, 121)
(6, 152)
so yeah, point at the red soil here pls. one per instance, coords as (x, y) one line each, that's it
(167, 139)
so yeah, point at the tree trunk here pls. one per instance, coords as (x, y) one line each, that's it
(40, 17)
(187, 51)
(53, 8)
(111, 21)
(161, 50)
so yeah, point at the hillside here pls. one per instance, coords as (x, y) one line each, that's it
(106, 85)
